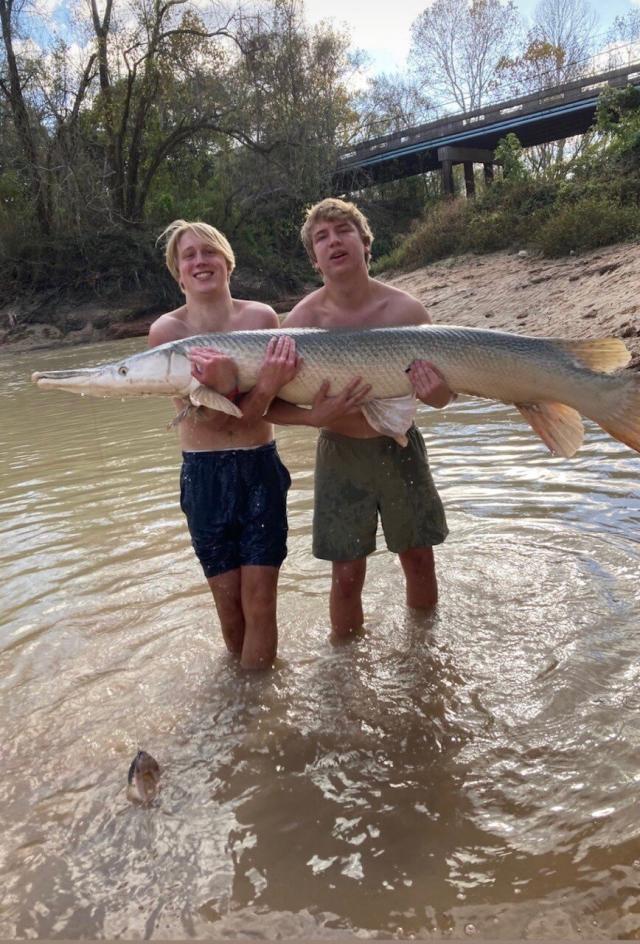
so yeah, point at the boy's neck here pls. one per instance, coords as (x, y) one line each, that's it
(212, 312)
(350, 292)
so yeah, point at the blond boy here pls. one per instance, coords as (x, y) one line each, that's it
(233, 485)
(360, 474)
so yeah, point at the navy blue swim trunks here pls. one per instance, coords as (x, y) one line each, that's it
(235, 502)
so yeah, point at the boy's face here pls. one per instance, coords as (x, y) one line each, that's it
(201, 266)
(337, 246)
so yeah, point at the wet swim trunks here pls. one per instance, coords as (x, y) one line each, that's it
(235, 502)
(358, 479)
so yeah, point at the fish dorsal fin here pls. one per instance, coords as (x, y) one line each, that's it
(602, 354)
(391, 417)
(559, 426)
(205, 396)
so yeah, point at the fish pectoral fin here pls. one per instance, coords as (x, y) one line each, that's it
(205, 396)
(559, 426)
(391, 417)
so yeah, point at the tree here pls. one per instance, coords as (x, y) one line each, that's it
(558, 49)
(509, 154)
(160, 81)
(294, 82)
(391, 102)
(623, 39)
(456, 47)
(14, 88)
(567, 28)
(618, 117)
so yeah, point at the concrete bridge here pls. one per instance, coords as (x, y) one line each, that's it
(470, 138)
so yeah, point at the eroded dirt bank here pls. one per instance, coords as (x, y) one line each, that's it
(592, 295)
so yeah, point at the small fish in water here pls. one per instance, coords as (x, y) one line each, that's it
(144, 774)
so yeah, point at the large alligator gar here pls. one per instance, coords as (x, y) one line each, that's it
(550, 381)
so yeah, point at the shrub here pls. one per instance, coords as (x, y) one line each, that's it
(489, 232)
(586, 224)
(443, 233)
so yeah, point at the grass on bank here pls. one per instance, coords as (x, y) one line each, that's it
(548, 219)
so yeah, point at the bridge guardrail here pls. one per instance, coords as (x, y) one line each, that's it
(573, 91)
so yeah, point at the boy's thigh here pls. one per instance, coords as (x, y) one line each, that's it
(263, 525)
(411, 510)
(209, 519)
(345, 515)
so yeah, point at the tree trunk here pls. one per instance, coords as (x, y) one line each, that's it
(12, 89)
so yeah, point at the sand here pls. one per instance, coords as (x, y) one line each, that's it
(595, 294)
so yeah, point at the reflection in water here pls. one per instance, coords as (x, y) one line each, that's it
(471, 772)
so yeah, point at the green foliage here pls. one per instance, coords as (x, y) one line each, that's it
(102, 263)
(586, 224)
(509, 153)
(442, 233)
(246, 138)
(618, 117)
(596, 204)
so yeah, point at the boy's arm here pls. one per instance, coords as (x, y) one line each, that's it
(280, 365)
(324, 410)
(429, 385)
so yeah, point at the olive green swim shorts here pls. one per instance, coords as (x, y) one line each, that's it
(357, 479)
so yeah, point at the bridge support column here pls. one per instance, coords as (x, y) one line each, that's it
(448, 156)
(469, 179)
(446, 169)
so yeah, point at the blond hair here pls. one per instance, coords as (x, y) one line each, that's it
(332, 209)
(209, 234)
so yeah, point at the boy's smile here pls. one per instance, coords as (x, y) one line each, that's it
(201, 266)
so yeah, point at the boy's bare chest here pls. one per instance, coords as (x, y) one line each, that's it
(368, 316)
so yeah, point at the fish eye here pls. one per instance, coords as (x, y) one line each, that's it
(123, 370)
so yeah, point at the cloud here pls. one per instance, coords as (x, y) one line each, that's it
(385, 38)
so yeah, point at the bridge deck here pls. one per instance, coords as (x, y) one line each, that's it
(540, 117)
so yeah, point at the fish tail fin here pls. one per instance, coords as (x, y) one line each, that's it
(620, 415)
(600, 354)
(559, 426)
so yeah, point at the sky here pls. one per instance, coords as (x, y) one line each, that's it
(383, 31)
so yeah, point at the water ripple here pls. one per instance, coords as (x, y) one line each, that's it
(471, 772)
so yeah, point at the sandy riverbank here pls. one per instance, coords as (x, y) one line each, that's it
(592, 295)
(596, 294)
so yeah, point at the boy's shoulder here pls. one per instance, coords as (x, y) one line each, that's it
(171, 326)
(252, 315)
(309, 312)
(400, 307)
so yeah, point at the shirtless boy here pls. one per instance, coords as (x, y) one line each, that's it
(233, 485)
(359, 473)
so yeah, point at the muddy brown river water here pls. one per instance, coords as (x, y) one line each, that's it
(473, 773)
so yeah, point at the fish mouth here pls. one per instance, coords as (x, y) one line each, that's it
(78, 375)
(94, 380)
